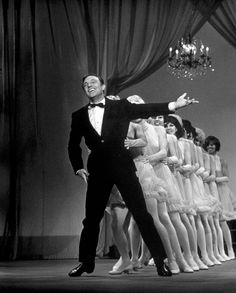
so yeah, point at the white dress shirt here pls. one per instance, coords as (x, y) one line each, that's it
(96, 117)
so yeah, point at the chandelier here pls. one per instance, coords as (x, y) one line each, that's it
(190, 59)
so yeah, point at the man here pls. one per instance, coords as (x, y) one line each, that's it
(104, 125)
(135, 141)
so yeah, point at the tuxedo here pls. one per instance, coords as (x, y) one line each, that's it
(110, 163)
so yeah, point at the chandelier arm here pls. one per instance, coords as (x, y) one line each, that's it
(191, 58)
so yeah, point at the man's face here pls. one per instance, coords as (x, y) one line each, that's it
(93, 87)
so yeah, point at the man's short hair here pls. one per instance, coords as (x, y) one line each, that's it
(92, 74)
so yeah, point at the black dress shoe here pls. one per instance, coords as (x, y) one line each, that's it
(82, 268)
(163, 270)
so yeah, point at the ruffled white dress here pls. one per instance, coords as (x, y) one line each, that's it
(202, 203)
(162, 171)
(190, 206)
(210, 185)
(226, 196)
(152, 186)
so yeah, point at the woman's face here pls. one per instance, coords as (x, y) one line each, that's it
(190, 135)
(211, 148)
(185, 135)
(197, 141)
(170, 128)
(159, 120)
(150, 120)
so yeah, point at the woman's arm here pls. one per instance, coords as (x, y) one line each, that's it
(135, 137)
(172, 158)
(224, 174)
(206, 160)
(201, 169)
(194, 161)
(186, 167)
(162, 153)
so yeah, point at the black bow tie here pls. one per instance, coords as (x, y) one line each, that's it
(101, 105)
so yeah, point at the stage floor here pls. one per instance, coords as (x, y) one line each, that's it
(52, 276)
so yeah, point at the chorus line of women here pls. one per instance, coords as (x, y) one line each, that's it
(185, 185)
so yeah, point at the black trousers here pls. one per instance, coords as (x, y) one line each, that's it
(100, 182)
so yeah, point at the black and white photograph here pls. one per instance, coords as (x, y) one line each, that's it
(117, 146)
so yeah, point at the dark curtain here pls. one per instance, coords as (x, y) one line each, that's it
(19, 119)
(130, 39)
(41, 72)
(223, 19)
(46, 47)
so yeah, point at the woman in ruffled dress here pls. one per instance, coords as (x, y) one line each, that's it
(194, 197)
(179, 149)
(153, 192)
(212, 146)
(156, 204)
(208, 176)
(205, 203)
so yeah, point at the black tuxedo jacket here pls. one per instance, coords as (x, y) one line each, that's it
(110, 145)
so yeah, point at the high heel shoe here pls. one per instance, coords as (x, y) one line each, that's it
(144, 261)
(219, 257)
(231, 254)
(136, 265)
(214, 260)
(207, 261)
(200, 264)
(174, 268)
(151, 262)
(192, 263)
(122, 269)
(184, 267)
(117, 264)
(225, 257)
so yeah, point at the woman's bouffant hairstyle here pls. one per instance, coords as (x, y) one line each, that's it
(170, 119)
(200, 134)
(212, 140)
(189, 128)
(135, 99)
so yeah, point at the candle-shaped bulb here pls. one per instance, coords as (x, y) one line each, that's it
(207, 50)
(177, 53)
(170, 52)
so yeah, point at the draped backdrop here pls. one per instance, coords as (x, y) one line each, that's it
(46, 47)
